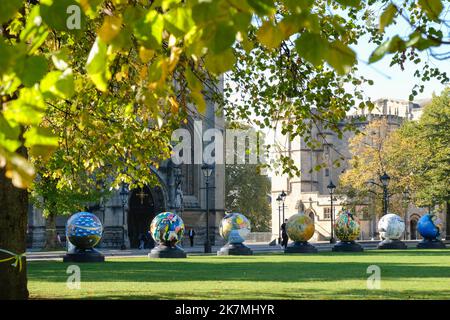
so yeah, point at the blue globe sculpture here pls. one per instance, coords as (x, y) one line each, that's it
(84, 230)
(430, 226)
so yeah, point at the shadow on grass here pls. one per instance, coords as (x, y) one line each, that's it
(235, 269)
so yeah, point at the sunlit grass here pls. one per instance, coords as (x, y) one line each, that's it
(410, 274)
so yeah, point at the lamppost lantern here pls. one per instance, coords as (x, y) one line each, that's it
(331, 187)
(385, 179)
(207, 170)
(123, 194)
(283, 195)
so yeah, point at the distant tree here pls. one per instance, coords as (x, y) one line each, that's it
(247, 192)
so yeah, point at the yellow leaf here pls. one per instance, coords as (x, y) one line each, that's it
(146, 54)
(110, 28)
(269, 35)
(199, 101)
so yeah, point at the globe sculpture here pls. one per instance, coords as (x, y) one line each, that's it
(430, 227)
(234, 228)
(347, 230)
(300, 228)
(84, 231)
(167, 229)
(391, 228)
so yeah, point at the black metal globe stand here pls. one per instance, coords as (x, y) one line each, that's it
(301, 247)
(83, 255)
(347, 246)
(167, 250)
(395, 244)
(431, 244)
(235, 249)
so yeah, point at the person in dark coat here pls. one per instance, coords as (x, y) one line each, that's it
(191, 234)
(284, 235)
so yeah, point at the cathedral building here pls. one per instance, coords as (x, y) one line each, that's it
(308, 193)
(127, 214)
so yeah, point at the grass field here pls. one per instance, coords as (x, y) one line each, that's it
(410, 274)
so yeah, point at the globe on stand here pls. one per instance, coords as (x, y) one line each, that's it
(430, 227)
(347, 229)
(234, 228)
(391, 228)
(84, 230)
(300, 228)
(167, 230)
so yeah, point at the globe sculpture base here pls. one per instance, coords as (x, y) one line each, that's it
(347, 246)
(83, 255)
(301, 247)
(392, 244)
(164, 251)
(235, 249)
(431, 244)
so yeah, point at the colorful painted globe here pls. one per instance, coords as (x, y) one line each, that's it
(430, 226)
(168, 228)
(234, 227)
(84, 230)
(300, 227)
(347, 227)
(391, 226)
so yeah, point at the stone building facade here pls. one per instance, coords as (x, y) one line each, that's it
(309, 193)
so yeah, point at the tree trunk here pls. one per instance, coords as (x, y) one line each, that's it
(13, 228)
(50, 233)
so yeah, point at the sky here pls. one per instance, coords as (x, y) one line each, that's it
(392, 82)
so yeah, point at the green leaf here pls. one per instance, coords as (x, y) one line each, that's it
(35, 32)
(58, 84)
(9, 134)
(7, 57)
(97, 65)
(9, 8)
(340, 57)
(263, 7)
(28, 109)
(432, 8)
(220, 63)
(31, 70)
(54, 13)
(40, 136)
(387, 16)
(312, 47)
(222, 37)
(179, 21)
(392, 45)
(349, 3)
(149, 29)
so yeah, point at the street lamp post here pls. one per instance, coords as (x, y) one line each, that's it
(331, 187)
(124, 197)
(385, 182)
(207, 171)
(279, 200)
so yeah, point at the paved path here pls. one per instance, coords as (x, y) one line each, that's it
(196, 250)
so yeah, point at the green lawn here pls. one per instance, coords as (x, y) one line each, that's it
(410, 274)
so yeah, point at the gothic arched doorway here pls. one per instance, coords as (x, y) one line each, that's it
(413, 227)
(145, 203)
